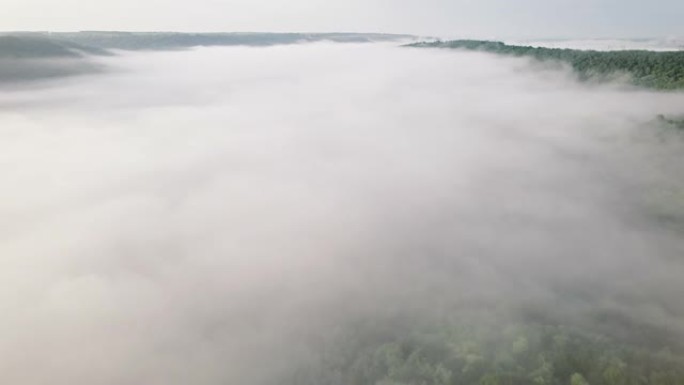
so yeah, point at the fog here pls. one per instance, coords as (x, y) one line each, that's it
(215, 215)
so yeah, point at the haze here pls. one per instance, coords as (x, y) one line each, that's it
(218, 215)
(500, 19)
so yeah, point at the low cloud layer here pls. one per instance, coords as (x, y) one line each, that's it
(207, 216)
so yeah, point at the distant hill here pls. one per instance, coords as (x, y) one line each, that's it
(658, 70)
(33, 46)
(177, 40)
(30, 56)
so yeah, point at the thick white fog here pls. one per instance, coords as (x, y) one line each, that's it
(208, 216)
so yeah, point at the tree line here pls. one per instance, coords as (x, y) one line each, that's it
(658, 70)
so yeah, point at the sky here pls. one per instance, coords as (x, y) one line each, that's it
(444, 18)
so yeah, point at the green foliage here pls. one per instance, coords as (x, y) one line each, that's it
(614, 372)
(453, 354)
(659, 70)
(520, 345)
(677, 123)
(578, 379)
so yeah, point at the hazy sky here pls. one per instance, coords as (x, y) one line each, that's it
(471, 18)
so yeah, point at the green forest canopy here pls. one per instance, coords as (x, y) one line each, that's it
(456, 353)
(658, 70)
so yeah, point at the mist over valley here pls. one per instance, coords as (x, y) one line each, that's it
(335, 209)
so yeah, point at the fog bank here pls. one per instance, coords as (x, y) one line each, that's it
(209, 216)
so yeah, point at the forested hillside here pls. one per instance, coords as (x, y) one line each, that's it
(32, 46)
(659, 70)
(179, 40)
(32, 56)
(28, 57)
